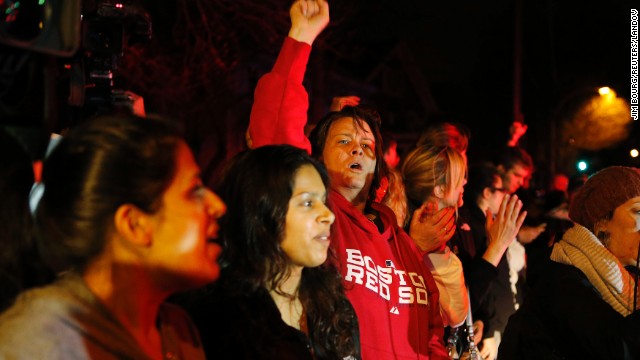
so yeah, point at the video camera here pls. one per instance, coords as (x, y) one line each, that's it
(58, 59)
(107, 26)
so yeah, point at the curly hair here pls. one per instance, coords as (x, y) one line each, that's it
(257, 186)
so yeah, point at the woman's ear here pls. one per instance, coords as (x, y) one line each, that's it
(601, 232)
(133, 224)
(600, 226)
(486, 193)
(439, 191)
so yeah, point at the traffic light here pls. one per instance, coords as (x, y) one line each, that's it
(582, 166)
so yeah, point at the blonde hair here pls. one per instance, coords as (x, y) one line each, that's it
(426, 167)
(394, 198)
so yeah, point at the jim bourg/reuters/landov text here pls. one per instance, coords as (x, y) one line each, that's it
(634, 64)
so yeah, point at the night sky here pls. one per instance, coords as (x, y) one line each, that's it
(465, 51)
(418, 62)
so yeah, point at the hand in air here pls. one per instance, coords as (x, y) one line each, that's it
(517, 130)
(308, 19)
(341, 101)
(502, 230)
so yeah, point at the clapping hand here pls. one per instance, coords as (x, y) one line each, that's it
(502, 230)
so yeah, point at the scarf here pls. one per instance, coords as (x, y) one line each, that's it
(581, 249)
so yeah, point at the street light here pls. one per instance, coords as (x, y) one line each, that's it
(604, 90)
(598, 122)
(587, 118)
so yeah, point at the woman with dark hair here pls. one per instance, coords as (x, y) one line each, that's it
(489, 220)
(20, 265)
(127, 221)
(277, 297)
(391, 289)
(585, 303)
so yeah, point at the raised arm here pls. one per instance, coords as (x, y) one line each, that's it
(501, 232)
(279, 111)
(308, 19)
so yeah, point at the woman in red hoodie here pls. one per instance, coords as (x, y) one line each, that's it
(391, 289)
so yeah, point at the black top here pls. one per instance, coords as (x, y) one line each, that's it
(247, 327)
(539, 250)
(564, 317)
(489, 287)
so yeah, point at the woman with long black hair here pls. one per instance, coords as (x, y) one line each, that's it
(279, 295)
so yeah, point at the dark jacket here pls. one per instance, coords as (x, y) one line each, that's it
(489, 287)
(564, 317)
(249, 327)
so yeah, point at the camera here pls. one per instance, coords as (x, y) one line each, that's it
(108, 26)
(58, 59)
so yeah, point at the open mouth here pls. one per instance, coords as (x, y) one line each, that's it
(355, 166)
(212, 233)
(323, 237)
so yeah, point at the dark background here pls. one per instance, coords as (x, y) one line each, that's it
(418, 62)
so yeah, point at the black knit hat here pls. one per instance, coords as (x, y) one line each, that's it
(603, 193)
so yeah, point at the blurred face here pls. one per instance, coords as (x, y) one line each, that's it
(183, 252)
(391, 156)
(454, 196)
(497, 194)
(514, 178)
(560, 182)
(350, 157)
(308, 221)
(624, 231)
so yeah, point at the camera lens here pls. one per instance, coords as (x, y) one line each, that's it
(22, 20)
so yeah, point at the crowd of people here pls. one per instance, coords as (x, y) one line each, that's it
(327, 245)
